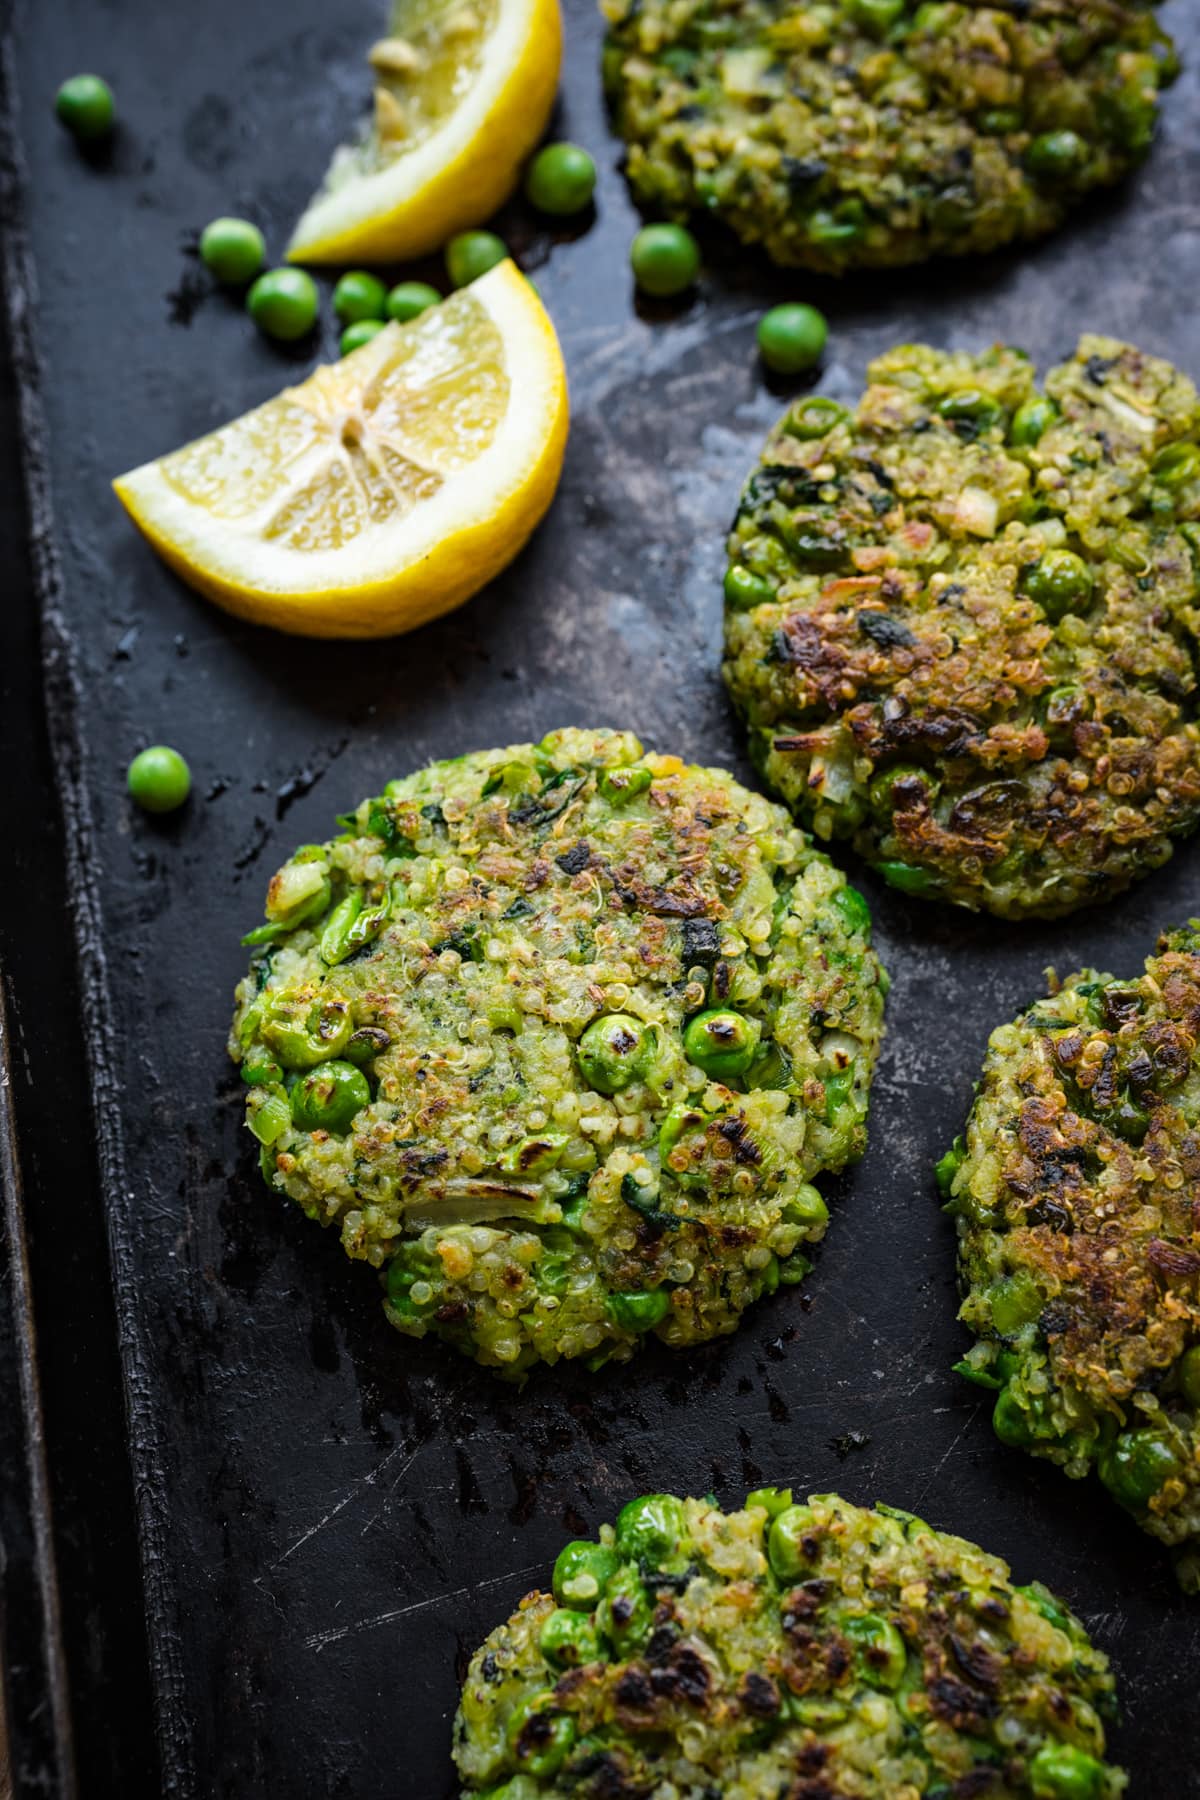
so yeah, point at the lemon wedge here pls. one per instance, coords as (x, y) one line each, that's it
(463, 90)
(387, 488)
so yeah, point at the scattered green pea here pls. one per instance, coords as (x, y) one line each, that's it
(792, 338)
(561, 180)
(360, 333)
(665, 260)
(582, 1572)
(614, 1052)
(409, 299)
(232, 250)
(359, 296)
(283, 303)
(329, 1098)
(722, 1042)
(84, 104)
(471, 254)
(159, 779)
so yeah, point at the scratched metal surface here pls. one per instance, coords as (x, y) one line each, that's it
(331, 1516)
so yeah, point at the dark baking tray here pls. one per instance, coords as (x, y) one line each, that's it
(328, 1517)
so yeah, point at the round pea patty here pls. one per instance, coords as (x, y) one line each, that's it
(784, 1653)
(558, 1036)
(961, 621)
(1079, 1236)
(877, 132)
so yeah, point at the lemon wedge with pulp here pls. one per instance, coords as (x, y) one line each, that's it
(463, 90)
(387, 488)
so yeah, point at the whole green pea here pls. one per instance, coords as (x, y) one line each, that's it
(665, 260)
(1055, 155)
(744, 589)
(881, 1656)
(1032, 421)
(232, 250)
(649, 1529)
(569, 1639)
(625, 1614)
(359, 296)
(471, 254)
(540, 1736)
(283, 303)
(721, 1042)
(882, 789)
(409, 299)
(614, 1052)
(1188, 1375)
(84, 104)
(792, 338)
(641, 1310)
(561, 180)
(329, 1098)
(159, 780)
(1063, 1772)
(1136, 1465)
(355, 336)
(582, 1572)
(792, 1545)
(1060, 582)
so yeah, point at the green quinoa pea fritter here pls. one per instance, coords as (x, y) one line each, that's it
(961, 621)
(1077, 1195)
(558, 1036)
(878, 132)
(785, 1652)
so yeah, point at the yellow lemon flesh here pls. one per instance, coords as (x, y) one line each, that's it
(384, 490)
(463, 91)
